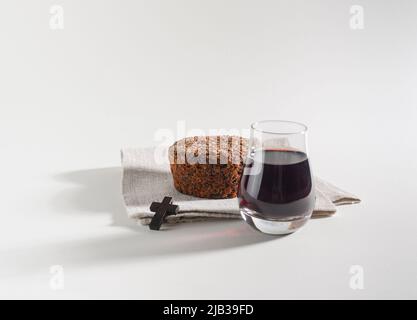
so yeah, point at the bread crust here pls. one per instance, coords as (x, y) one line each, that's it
(208, 166)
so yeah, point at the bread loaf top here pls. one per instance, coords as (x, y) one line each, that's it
(224, 150)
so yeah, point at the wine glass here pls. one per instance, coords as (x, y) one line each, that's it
(276, 191)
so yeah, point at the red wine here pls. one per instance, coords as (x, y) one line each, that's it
(277, 184)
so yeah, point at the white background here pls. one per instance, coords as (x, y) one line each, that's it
(121, 70)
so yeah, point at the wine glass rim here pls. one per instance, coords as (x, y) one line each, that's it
(303, 127)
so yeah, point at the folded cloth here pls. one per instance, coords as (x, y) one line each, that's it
(146, 180)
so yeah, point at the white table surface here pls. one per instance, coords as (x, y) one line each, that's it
(118, 73)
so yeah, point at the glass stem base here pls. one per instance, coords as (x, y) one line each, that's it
(276, 226)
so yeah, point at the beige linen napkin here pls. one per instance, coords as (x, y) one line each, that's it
(145, 180)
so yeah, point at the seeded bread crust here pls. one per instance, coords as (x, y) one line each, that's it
(208, 166)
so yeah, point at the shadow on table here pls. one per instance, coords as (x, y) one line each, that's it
(94, 191)
(98, 191)
(144, 245)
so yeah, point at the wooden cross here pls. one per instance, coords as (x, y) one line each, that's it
(162, 209)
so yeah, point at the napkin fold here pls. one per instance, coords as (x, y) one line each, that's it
(146, 180)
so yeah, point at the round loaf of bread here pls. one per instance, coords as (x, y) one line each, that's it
(208, 166)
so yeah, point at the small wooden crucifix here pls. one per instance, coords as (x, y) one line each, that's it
(162, 209)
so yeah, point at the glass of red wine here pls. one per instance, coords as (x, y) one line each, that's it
(276, 192)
